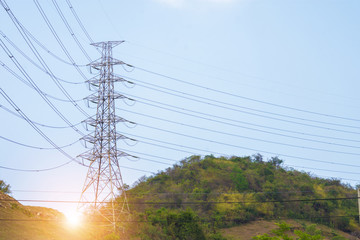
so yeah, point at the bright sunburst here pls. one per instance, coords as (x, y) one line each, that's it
(73, 218)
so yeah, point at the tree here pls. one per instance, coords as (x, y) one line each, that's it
(168, 224)
(5, 188)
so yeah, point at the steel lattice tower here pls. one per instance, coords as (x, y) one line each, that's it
(104, 181)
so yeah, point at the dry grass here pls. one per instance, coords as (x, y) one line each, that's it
(247, 231)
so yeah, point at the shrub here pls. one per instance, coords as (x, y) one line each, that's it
(5, 188)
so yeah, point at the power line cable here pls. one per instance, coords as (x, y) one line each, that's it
(233, 105)
(195, 202)
(180, 221)
(327, 115)
(189, 193)
(36, 123)
(246, 98)
(54, 33)
(29, 85)
(33, 62)
(340, 178)
(58, 9)
(9, 100)
(79, 21)
(226, 119)
(236, 82)
(150, 155)
(251, 138)
(36, 170)
(36, 147)
(287, 165)
(223, 154)
(354, 173)
(236, 135)
(259, 115)
(50, 52)
(33, 84)
(36, 53)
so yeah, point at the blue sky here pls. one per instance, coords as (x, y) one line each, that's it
(275, 67)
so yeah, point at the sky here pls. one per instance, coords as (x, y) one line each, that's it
(221, 77)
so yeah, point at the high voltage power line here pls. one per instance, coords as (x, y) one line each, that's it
(51, 53)
(34, 63)
(181, 221)
(223, 154)
(79, 21)
(226, 119)
(151, 160)
(251, 138)
(37, 147)
(231, 134)
(9, 100)
(34, 88)
(34, 85)
(37, 170)
(176, 79)
(321, 122)
(193, 98)
(36, 53)
(246, 98)
(185, 193)
(235, 135)
(37, 123)
(264, 116)
(196, 202)
(260, 110)
(229, 104)
(70, 30)
(42, 148)
(58, 39)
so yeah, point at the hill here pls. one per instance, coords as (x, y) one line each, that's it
(210, 194)
(33, 223)
(211, 198)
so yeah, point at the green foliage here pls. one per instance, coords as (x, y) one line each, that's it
(242, 181)
(181, 225)
(307, 236)
(5, 188)
(216, 236)
(152, 232)
(238, 178)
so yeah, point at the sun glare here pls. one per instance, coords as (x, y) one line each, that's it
(73, 218)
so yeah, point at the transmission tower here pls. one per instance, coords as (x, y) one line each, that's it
(104, 181)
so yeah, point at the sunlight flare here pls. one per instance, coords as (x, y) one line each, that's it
(73, 218)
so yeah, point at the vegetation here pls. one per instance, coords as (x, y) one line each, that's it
(284, 232)
(4, 188)
(208, 198)
(218, 193)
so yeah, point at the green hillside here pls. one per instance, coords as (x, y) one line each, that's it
(208, 198)
(199, 197)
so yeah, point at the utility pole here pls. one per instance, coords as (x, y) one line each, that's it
(358, 193)
(103, 192)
